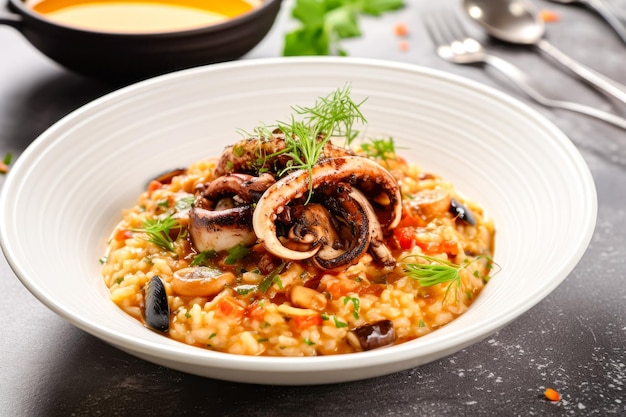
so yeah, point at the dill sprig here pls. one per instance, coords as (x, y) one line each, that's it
(383, 149)
(160, 230)
(440, 271)
(333, 115)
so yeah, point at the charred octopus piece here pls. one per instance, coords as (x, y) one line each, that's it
(222, 216)
(341, 182)
(253, 155)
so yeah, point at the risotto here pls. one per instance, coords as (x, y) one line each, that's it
(270, 249)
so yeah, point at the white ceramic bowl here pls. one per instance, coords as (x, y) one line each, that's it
(66, 192)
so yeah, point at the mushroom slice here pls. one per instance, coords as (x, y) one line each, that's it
(220, 230)
(308, 298)
(201, 281)
(431, 202)
(373, 335)
(351, 170)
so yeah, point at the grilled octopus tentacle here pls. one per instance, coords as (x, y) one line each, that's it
(351, 170)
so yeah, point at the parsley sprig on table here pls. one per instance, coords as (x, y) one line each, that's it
(324, 23)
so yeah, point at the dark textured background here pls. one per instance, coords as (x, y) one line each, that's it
(574, 340)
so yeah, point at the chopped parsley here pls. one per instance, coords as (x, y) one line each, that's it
(338, 323)
(203, 257)
(236, 253)
(356, 305)
(184, 203)
(272, 277)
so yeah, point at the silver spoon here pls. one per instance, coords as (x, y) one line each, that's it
(604, 10)
(518, 21)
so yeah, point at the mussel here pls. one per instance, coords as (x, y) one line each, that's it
(157, 309)
(461, 212)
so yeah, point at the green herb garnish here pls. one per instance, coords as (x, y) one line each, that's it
(356, 305)
(438, 271)
(324, 23)
(236, 253)
(203, 257)
(184, 203)
(382, 149)
(272, 277)
(333, 115)
(308, 342)
(338, 323)
(160, 231)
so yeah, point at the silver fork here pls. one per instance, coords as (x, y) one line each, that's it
(453, 44)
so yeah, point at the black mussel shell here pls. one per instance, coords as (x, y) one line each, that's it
(461, 212)
(157, 309)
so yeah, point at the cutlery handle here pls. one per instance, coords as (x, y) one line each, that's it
(525, 84)
(604, 9)
(604, 84)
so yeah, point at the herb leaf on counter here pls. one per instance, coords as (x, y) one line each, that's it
(325, 22)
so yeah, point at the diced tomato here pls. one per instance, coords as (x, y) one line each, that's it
(412, 221)
(548, 16)
(302, 322)
(229, 307)
(123, 234)
(153, 186)
(401, 29)
(405, 236)
(255, 311)
(447, 246)
(339, 288)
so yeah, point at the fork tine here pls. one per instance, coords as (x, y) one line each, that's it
(433, 29)
(454, 26)
(444, 27)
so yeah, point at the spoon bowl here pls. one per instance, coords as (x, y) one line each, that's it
(515, 21)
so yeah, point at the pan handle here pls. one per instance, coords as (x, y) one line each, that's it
(10, 19)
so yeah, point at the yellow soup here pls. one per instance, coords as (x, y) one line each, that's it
(141, 16)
